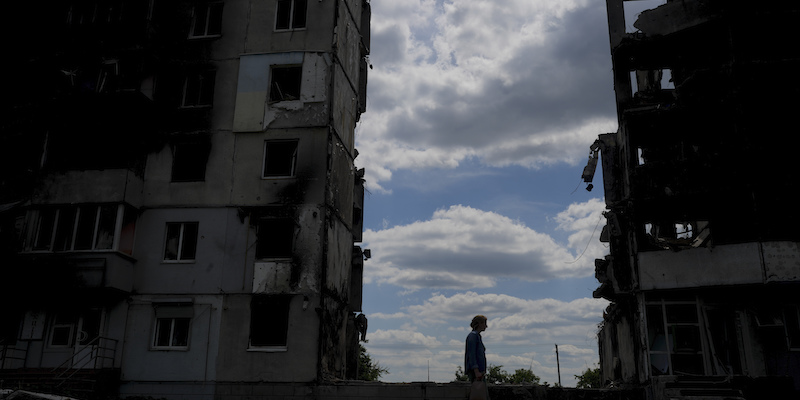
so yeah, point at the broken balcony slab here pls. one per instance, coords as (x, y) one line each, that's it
(674, 17)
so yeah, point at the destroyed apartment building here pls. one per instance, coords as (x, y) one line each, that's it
(702, 222)
(180, 204)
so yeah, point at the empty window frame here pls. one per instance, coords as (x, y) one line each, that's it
(285, 83)
(189, 161)
(291, 14)
(180, 243)
(791, 315)
(275, 238)
(269, 322)
(86, 12)
(171, 333)
(675, 342)
(206, 20)
(89, 227)
(280, 158)
(198, 89)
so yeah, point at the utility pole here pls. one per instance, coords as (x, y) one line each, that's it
(558, 365)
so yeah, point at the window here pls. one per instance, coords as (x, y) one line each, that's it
(275, 237)
(285, 83)
(291, 15)
(269, 322)
(172, 325)
(189, 162)
(181, 241)
(171, 333)
(206, 20)
(88, 227)
(198, 89)
(792, 318)
(62, 332)
(280, 158)
(79, 328)
(675, 343)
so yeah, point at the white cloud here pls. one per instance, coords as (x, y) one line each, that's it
(521, 334)
(527, 83)
(463, 248)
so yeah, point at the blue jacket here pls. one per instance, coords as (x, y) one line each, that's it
(475, 353)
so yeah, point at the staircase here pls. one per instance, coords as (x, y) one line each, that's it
(701, 388)
(88, 374)
(83, 384)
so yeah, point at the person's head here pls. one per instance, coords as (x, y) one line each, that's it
(478, 323)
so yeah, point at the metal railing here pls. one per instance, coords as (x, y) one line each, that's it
(12, 356)
(98, 353)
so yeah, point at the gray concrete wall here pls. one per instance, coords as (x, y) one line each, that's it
(296, 363)
(141, 362)
(356, 390)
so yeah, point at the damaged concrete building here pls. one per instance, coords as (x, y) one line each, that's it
(704, 267)
(180, 204)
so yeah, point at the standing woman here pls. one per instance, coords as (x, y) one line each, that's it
(475, 354)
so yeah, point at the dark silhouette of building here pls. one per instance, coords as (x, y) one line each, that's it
(179, 199)
(704, 265)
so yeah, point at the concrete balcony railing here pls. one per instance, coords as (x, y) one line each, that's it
(90, 186)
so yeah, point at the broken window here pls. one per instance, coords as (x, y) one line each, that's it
(107, 79)
(189, 161)
(677, 235)
(269, 321)
(85, 12)
(181, 241)
(280, 158)
(206, 20)
(198, 89)
(291, 14)
(285, 83)
(674, 341)
(792, 317)
(275, 238)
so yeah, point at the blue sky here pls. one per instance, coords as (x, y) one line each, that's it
(478, 125)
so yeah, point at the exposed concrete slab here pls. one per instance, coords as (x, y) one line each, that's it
(736, 264)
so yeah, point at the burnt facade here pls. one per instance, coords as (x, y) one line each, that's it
(704, 265)
(180, 204)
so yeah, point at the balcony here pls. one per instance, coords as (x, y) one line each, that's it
(108, 274)
(90, 186)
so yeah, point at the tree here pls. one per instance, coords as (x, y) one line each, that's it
(589, 379)
(368, 370)
(495, 374)
(521, 376)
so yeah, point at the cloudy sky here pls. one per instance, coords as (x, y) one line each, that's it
(478, 126)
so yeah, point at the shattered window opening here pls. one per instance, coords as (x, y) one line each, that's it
(189, 162)
(792, 326)
(206, 20)
(280, 158)
(675, 344)
(291, 14)
(285, 83)
(198, 89)
(269, 322)
(275, 238)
